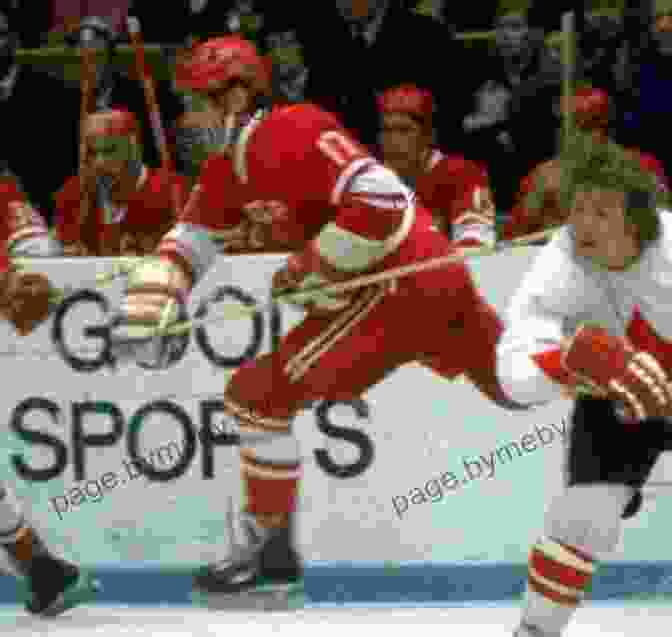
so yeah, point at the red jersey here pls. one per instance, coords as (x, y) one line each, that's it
(538, 203)
(4, 262)
(23, 231)
(654, 165)
(298, 168)
(457, 191)
(148, 213)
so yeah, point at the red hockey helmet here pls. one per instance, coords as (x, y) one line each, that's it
(219, 60)
(410, 100)
(591, 108)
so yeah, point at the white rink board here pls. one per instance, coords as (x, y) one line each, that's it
(421, 427)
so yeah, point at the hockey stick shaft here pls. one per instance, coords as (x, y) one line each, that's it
(242, 311)
(568, 66)
(363, 281)
(87, 80)
(144, 72)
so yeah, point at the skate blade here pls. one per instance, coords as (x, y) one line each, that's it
(82, 591)
(264, 598)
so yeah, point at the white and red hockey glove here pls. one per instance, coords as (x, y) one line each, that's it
(155, 299)
(609, 367)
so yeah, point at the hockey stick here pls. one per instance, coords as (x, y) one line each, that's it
(359, 282)
(144, 72)
(87, 88)
(568, 66)
(125, 265)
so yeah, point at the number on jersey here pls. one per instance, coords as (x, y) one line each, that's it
(339, 149)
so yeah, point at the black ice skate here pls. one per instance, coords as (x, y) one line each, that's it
(56, 586)
(263, 572)
(52, 585)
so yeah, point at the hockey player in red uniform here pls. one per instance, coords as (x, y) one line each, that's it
(128, 205)
(538, 203)
(455, 190)
(592, 319)
(299, 167)
(54, 585)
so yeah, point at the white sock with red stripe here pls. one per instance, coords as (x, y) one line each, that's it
(583, 525)
(558, 576)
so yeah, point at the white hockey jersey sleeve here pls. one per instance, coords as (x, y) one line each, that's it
(545, 309)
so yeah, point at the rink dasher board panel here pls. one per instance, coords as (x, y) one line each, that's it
(421, 428)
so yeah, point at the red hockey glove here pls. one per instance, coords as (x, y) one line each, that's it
(614, 370)
(25, 299)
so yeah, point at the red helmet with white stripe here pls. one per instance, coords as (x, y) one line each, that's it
(214, 63)
(410, 100)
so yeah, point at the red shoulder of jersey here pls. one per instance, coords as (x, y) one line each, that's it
(454, 186)
(9, 191)
(654, 165)
(68, 200)
(299, 151)
(69, 192)
(216, 200)
(159, 185)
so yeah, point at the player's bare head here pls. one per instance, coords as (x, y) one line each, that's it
(229, 72)
(613, 201)
(113, 140)
(406, 125)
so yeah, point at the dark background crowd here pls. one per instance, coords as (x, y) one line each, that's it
(498, 98)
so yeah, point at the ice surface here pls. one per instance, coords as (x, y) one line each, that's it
(477, 621)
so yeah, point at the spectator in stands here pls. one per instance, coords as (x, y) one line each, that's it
(598, 54)
(547, 16)
(598, 38)
(470, 16)
(33, 21)
(645, 81)
(290, 73)
(185, 21)
(514, 117)
(539, 204)
(353, 49)
(113, 89)
(67, 14)
(456, 191)
(119, 205)
(38, 121)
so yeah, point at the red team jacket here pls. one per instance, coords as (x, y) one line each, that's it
(457, 191)
(148, 213)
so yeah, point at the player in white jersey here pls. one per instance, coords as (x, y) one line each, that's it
(591, 319)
